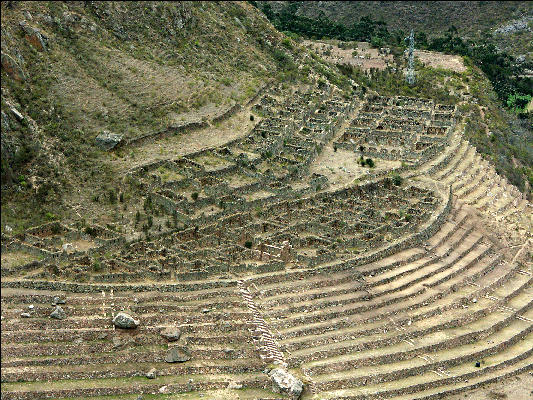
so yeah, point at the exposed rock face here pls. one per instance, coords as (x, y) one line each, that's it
(58, 313)
(177, 354)
(12, 68)
(107, 140)
(125, 321)
(34, 36)
(284, 382)
(171, 334)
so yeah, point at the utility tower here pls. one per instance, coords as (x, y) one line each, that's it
(410, 75)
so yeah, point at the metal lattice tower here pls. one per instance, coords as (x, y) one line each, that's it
(410, 75)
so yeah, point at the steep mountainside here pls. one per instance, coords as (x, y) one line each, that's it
(433, 17)
(72, 70)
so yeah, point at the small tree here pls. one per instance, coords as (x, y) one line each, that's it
(194, 196)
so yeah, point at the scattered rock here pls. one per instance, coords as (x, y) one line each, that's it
(67, 247)
(515, 26)
(234, 385)
(163, 389)
(285, 382)
(177, 354)
(25, 315)
(58, 313)
(31, 306)
(151, 374)
(107, 140)
(58, 300)
(17, 115)
(125, 321)
(171, 334)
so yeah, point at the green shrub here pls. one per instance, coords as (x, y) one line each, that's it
(112, 196)
(97, 266)
(194, 196)
(56, 229)
(370, 162)
(397, 179)
(51, 217)
(248, 244)
(90, 231)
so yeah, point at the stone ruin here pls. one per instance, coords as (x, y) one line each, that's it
(275, 282)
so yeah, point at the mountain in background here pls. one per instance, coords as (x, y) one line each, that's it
(509, 24)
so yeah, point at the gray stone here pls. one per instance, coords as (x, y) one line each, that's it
(151, 374)
(285, 382)
(25, 315)
(177, 354)
(125, 321)
(234, 385)
(58, 313)
(57, 300)
(121, 343)
(107, 140)
(171, 334)
(17, 115)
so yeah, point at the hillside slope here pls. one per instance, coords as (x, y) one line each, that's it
(73, 70)
(434, 17)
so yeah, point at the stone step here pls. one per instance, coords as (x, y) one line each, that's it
(405, 364)
(519, 354)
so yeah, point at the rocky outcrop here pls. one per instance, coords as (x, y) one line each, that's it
(285, 382)
(12, 68)
(35, 37)
(107, 140)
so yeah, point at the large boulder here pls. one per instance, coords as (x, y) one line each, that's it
(171, 334)
(125, 321)
(58, 313)
(285, 382)
(107, 140)
(177, 354)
